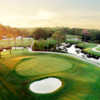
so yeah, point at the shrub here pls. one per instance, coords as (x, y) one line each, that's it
(44, 45)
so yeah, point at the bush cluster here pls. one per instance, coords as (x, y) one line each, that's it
(44, 45)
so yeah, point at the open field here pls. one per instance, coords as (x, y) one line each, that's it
(80, 79)
(6, 43)
(73, 39)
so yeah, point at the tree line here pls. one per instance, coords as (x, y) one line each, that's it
(57, 32)
(91, 35)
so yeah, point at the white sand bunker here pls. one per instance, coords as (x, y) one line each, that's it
(45, 86)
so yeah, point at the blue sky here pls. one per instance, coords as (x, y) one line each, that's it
(36, 13)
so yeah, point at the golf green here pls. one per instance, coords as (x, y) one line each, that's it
(42, 64)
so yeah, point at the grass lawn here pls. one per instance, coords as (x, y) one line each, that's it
(87, 47)
(98, 48)
(80, 79)
(73, 36)
(73, 39)
(6, 43)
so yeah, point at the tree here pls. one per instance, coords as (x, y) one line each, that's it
(2, 31)
(0, 36)
(60, 37)
(8, 34)
(15, 33)
(0, 51)
(22, 33)
(98, 37)
(85, 35)
(40, 33)
(44, 45)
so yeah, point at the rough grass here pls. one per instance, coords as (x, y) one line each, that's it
(7, 61)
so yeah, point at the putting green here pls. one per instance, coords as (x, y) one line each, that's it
(40, 64)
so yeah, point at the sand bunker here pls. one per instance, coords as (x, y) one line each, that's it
(45, 86)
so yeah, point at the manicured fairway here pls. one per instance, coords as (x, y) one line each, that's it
(81, 80)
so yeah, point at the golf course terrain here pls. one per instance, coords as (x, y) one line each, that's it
(50, 50)
(87, 47)
(98, 48)
(80, 80)
(19, 42)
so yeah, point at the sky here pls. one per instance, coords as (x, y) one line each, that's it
(50, 13)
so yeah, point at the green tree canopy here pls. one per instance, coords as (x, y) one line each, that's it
(40, 33)
(60, 37)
